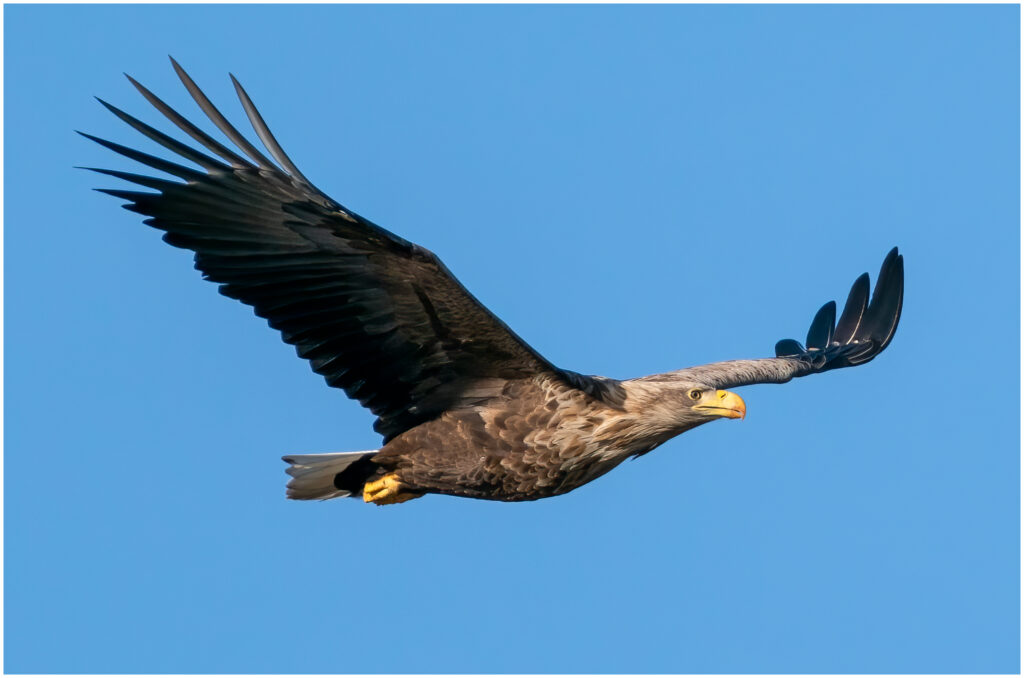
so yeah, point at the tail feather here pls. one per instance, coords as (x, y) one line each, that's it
(313, 475)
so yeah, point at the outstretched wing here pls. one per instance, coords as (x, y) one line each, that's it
(376, 315)
(863, 331)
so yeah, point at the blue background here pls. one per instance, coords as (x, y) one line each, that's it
(633, 189)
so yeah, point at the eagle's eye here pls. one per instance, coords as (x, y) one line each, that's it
(695, 394)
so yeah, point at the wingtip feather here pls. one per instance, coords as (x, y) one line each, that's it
(822, 327)
(853, 311)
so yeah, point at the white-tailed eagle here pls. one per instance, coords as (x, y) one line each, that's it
(465, 406)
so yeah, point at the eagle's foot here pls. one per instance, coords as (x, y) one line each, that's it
(387, 490)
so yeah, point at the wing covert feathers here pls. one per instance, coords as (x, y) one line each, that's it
(375, 315)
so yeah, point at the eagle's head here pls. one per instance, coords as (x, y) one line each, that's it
(666, 405)
(713, 403)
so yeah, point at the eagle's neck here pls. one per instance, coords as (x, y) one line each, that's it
(654, 411)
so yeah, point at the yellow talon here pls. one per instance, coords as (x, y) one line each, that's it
(387, 490)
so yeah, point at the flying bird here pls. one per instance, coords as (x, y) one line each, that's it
(464, 405)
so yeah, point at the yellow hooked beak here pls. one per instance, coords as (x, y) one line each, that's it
(723, 404)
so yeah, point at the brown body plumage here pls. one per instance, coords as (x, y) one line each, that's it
(465, 406)
(539, 438)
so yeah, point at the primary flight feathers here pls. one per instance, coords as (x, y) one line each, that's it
(465, 406)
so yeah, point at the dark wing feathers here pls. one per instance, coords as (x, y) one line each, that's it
(265, 135)
(886, 303)
(183, 124)
(220, 121)
(853, 312)
(375, 315)
(863, 331)
(185, 151)
(820, 333)
(180, 171)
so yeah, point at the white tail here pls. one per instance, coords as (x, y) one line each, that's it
(313, 474)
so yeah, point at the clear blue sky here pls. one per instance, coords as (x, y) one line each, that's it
(633, 189)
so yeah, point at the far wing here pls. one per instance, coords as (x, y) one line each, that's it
(375, 315)
(863, 331)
